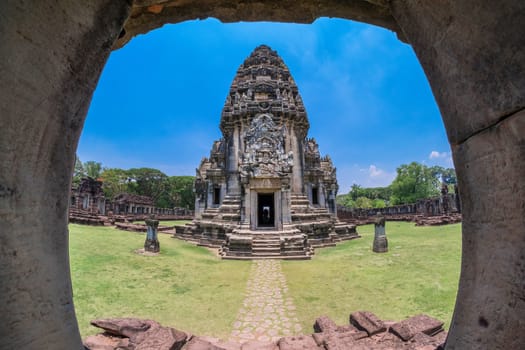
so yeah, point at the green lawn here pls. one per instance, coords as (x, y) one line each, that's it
(419, 274)
(189, 288)
(185, 287)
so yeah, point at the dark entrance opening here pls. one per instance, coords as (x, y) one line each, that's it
(217, 195)
(265, 210)
(315, 195)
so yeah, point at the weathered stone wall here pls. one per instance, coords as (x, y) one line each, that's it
(472, 51)
(150, 14)
(52, 55)
(404, 212)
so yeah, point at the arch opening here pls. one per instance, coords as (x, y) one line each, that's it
(479, 91)
(159, 98)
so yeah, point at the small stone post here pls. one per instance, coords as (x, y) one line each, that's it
(380, 241)
(444, 198)
(457, 198)
(152, 241)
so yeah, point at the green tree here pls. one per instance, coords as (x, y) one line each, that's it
(378, 203)
(413, 181)
(148, 182)
(181, 191)
(78, 171)
(446, 175)
(93, 169)
(356, 191)
(114, 182)
(363, 202)
(345, 200)
(378, 196)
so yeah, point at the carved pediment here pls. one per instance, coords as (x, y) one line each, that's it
(264, 87)
(264, 153)
(265, 183)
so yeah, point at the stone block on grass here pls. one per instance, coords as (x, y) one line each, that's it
(367, 322)
(302, 342)
(324, 324)
(408, 328)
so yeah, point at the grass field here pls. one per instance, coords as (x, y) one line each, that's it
(185, 287)
(189, 288)
(419, 274)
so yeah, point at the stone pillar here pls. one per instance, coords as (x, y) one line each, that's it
(308, 190)
(297, 171)
(52, 56)
(253, 209)
(473, 53)
(233, 162)
(457, 198)
(152, 240)
(200, 205)
(246, 206)
(209, 197)
(321, 198)
(286, 202)
(223, 190)
(380, 241)
(332, 205)
(278, 211)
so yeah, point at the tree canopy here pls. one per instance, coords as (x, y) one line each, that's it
(93, 169)
(363, 197)
(413, 181)
(166, 191)
(78, 171)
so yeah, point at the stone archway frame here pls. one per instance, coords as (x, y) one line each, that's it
(473, 53)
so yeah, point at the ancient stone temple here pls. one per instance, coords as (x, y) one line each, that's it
(265, 190)
(88, 196)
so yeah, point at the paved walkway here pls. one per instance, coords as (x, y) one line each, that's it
(268, 313)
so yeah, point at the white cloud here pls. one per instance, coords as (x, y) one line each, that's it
(375, 171)
(437, 155)
(373, 176)
(441, 158)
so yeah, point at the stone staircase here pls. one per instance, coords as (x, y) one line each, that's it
(311, 227)
(302, 211)
(84, 217)
(227, 212)
(211, 229)
(249, 245)
(267, 245)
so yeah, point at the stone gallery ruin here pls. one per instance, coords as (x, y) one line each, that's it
(265, 191)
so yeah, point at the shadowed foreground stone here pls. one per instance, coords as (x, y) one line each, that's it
(324, 324)
(407, 329)
(197, 343)
(367, 322)
(416, 333)
(135, 334)
(257, 345)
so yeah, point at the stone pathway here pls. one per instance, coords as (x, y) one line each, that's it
(268, 313)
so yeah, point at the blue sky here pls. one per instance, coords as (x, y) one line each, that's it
(159, 99)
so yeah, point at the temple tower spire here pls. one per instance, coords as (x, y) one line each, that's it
(264, 177)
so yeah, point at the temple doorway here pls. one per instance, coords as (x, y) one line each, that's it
(265, 210)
